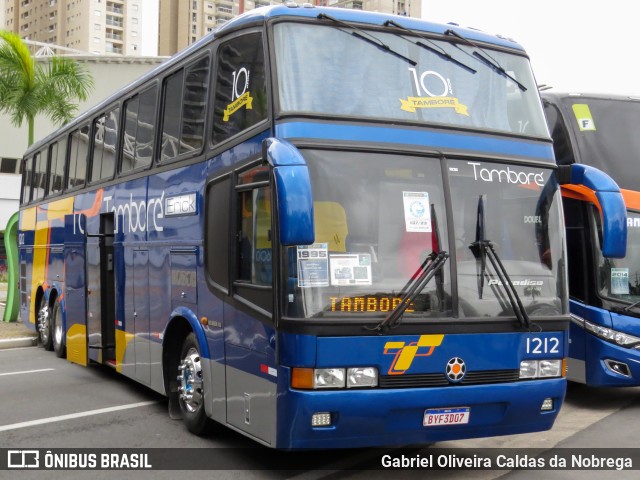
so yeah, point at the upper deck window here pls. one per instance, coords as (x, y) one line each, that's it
(241, 91)
(324, 69)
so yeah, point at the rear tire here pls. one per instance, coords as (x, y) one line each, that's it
(191, 387)
(57, 327)
(43, 325)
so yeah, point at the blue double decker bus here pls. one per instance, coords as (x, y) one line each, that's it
(598, 131)
(322, 228)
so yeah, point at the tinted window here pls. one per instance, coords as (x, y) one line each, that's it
(56, 168)
(104, 146)
(185, 102)
(140, 117)
(26, 180)
(241, 93)
(78, 153)
(39, 176)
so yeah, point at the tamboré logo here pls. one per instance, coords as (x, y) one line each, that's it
(406, 352)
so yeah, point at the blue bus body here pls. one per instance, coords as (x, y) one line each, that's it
(143, 270)
(594, 130)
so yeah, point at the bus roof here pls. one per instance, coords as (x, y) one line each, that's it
(260, 16)
(557, 96)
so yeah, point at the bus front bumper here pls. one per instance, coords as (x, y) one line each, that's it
(387, 417)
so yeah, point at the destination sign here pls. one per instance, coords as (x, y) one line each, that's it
(367, 304)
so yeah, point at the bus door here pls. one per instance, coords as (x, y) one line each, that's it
(75, 287)
(101, 292)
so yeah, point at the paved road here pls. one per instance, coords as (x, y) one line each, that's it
(50, 403)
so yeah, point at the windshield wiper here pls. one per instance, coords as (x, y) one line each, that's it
(487, 59)
(433, 47)
(367, 37)
(629, 307)
(483, 249)
(427, 270)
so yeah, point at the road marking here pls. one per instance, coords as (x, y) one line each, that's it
(27, 371)
(61, 418)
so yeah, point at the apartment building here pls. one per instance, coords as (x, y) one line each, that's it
(182, 22)
(125, 27)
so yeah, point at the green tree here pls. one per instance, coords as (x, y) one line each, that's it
(29, 88)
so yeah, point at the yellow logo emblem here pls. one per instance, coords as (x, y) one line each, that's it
(405, 353)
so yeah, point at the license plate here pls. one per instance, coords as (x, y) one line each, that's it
(434, 417)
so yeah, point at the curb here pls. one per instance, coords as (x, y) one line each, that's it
(17, 342)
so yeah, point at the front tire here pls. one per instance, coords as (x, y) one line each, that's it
(191, 387)
(43, 325)
(57, 329)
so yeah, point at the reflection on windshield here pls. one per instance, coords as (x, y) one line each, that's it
(376, 221)
(379, 217)
(322, 71)
(521, 218)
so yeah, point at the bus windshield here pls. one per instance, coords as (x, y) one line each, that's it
(317, 74)
(606, 134)
(378, 217)
(619, 278)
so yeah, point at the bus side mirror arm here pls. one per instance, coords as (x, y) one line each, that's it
(293, 192)
(594, 185)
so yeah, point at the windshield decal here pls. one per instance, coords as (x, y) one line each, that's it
(313, 265)
(240, 95)
(428, 81)
(417, 212)
(508, 175)
(351, 269)
(620, 281)
(584, 117)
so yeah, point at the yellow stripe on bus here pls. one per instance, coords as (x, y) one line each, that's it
(77, 344)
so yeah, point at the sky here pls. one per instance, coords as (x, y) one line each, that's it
(583, 46)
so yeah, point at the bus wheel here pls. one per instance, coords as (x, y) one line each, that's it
(44, 325)
(57, 330)
(191, 388)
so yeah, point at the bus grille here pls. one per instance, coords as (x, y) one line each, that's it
(440, 380)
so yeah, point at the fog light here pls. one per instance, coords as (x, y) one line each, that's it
(321, 419)
(362, 377)
(547, 405)
(528, 369)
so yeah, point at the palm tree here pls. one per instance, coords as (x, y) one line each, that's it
(29, 88)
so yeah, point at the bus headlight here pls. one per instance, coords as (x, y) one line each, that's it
(549, 368)
(613, 336)
(362, 377)
(328, 378)
(530, 369)
(318, 378)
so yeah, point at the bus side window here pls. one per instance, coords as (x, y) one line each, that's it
(39, 176)
(78, 156)
(184, 110)
(140, 117)
(56, 167)
(27, 177)
(561, 142)
(255, 236)
(217, 232)
(105, 134)
(241, 88)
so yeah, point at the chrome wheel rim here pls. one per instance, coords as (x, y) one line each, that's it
(43, 323)
(190, 378)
